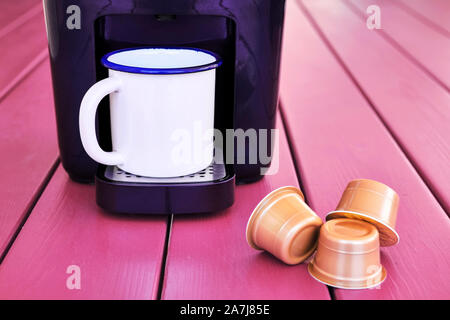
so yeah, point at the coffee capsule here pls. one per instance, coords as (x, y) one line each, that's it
(371, 201)
(348, 255)
(284, 225)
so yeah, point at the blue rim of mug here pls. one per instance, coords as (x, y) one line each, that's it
(142, 70)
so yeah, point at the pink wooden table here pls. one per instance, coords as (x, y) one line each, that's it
(355, 103)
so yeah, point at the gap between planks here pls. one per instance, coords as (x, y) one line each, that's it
(341, 62)
(30, 208)
(399, 47)
(419, 16)
(37, 9)
(23, 74)
(162, 271)
(295, 160)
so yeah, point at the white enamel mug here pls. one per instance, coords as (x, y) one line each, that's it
(162, 111)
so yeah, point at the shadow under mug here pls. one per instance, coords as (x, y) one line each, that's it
(162, 111)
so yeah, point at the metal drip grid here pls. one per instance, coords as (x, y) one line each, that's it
(212, 173)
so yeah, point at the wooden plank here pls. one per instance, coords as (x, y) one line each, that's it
(337, 138)
(28, 147)
(209, 258)
(434, 12)
(418, 41)
(24, 47)
(13, 13)
(119, 256)
(412, 106)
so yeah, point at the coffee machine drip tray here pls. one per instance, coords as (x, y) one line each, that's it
(214, 172)
(209, 190)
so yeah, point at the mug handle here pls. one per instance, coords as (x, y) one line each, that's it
(88, 109)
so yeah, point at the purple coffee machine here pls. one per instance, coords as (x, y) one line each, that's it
(245, 33)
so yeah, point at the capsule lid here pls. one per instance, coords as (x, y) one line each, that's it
(266, 201)
(373, 202)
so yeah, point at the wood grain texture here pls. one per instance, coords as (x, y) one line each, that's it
(413, 107)
(209, 257)
(427, 47)
(28, 148)
(15, 12)
(435, 12)
(337, 138)
(23, 48)
(119, 256)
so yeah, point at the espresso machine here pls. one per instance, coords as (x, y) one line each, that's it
(247, 35)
